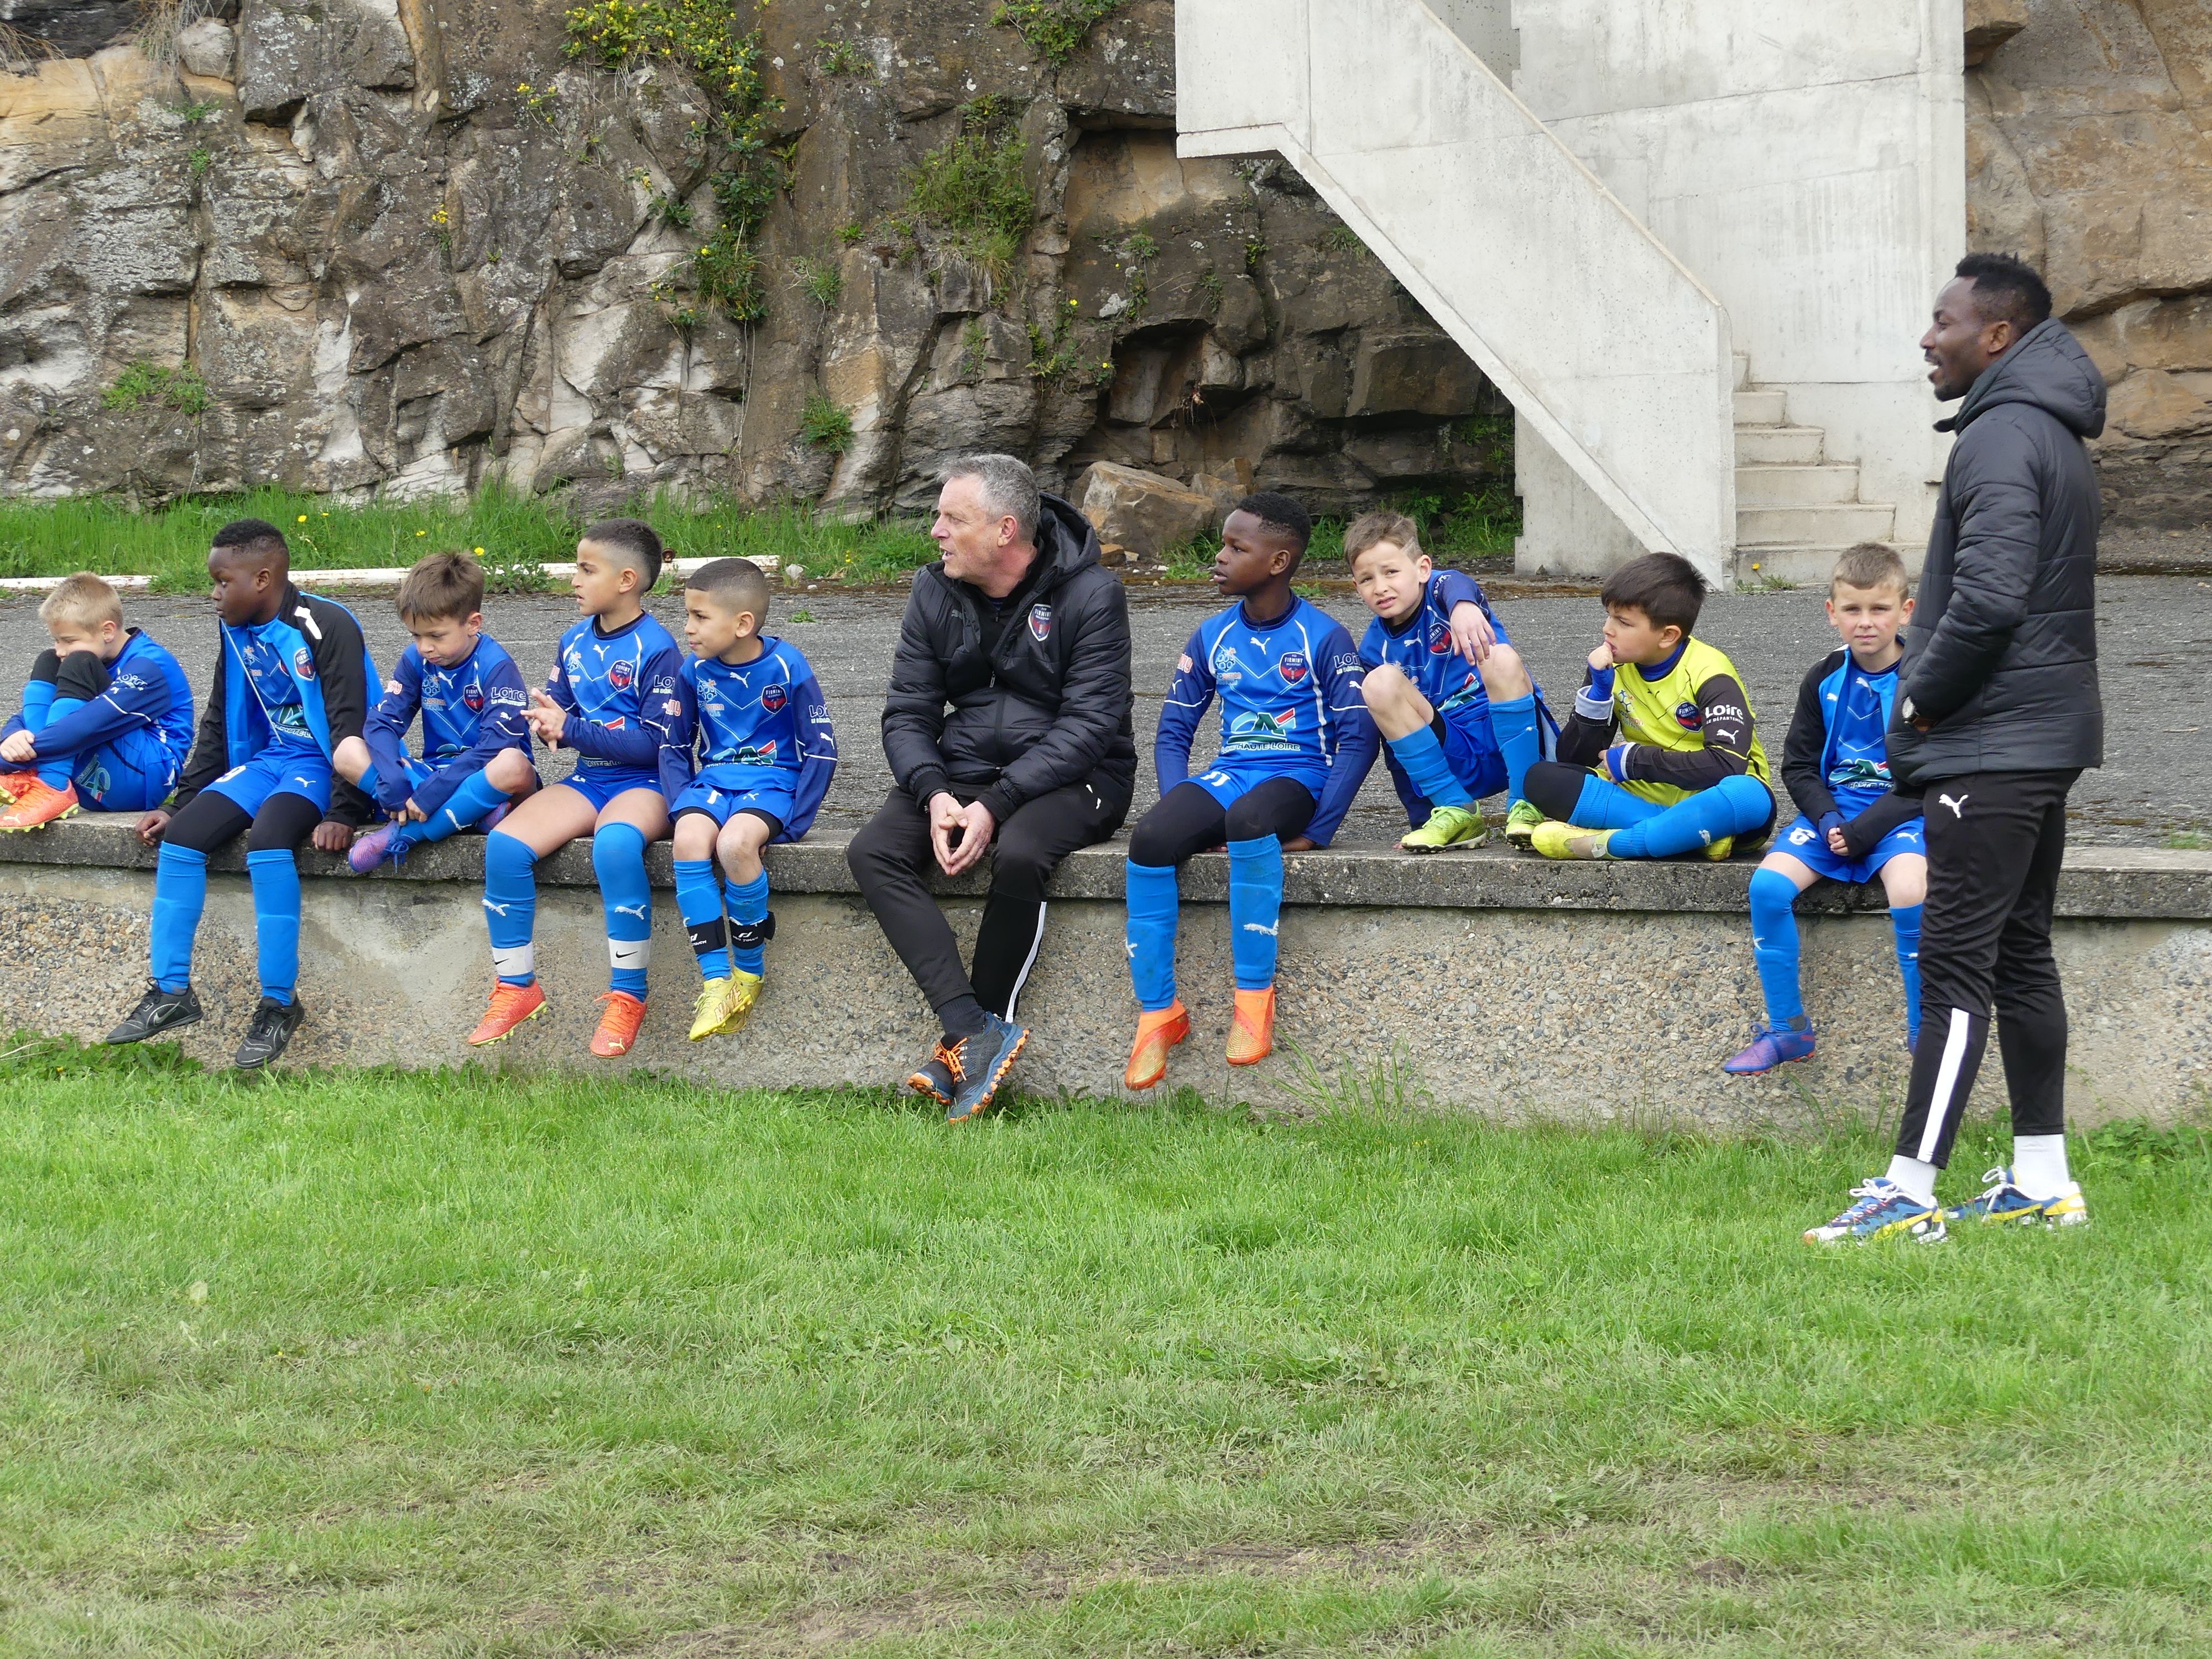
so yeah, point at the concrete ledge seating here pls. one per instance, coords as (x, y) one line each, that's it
(1493, 981)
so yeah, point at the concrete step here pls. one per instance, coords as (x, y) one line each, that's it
(1795, 565)
(1742, 369)
(1814, 527)
(1778, 446)
(1796, 486)
(1760, 408)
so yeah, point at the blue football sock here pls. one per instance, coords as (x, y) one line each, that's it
(1904, 921)
(1256, 908)
(464, 808)
(1423, 758)
(749, 908)
(510, 904)
(699, 901)
(1734, 806)
(179, 895)
(1774, 946)
(275, 878)
(1604, 805)
(1152, 901)
(619, 857)
(1514, 725)
(38, 703)
(56, 774)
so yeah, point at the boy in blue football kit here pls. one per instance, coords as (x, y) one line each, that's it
(1453, 700)
(475, 743)
(292, 685)
(1295, 745)
(1853, 825)
(613, 699)
(106, 718)
(766, 756)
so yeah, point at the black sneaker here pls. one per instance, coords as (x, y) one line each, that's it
(934, 1079)
(273, 1022)
(157, 1011)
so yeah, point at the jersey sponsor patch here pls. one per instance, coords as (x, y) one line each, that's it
(772, 697)
(1293, 667)
(392, 688)
(1261, 728)
(755, 754)
(1183, 664)
(303, 663)
(1040, 621)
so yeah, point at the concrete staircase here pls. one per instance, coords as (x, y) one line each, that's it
(1794, 509)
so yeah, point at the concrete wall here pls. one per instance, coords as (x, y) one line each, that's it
(1501, 985)
(1808, 164)
(1607, 346)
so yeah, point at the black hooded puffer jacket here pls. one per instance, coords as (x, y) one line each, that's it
(2002, 651)
(1048, 705)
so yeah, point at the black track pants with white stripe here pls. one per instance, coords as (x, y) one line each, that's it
(891, 858)
(1995, 843)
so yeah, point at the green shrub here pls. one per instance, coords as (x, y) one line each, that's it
(971, 193)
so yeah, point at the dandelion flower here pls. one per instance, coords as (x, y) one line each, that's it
(303, 517)
(480, 552)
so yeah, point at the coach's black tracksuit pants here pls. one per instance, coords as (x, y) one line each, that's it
(891, 856)
(1995, 843)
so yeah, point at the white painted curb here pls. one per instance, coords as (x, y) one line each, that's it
(383, 576)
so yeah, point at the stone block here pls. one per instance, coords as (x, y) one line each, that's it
(207, 47)
(1990, 24)
(1142, 511)
(1413, 372)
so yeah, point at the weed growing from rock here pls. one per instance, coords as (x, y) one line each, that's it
(820, 280)
(1054, 29)
(971, 193)
(840, 57)
(825, 426)
(144, 383)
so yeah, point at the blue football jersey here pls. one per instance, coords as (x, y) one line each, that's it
(1856, 703)
(763, 724)
(262, 649)
(470, 713)
(1290, 701)
(619, 689)
(1420, 648)
(147, 690)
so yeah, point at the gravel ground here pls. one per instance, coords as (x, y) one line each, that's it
(2156, 782)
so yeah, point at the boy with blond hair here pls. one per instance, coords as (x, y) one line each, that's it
(1852, 825)
(1458, 716)
(106, 717)
(476, 744)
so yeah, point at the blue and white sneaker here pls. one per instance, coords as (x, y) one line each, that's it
(2002, 1201)
(979, 1063)
(1883, 1208)
(1772, 1048)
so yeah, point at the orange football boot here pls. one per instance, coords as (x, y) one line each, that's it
(1158, 1031)
(1252, 1032)
(511, 1004)
(13, 784)
(40, 806)
(618, 1032)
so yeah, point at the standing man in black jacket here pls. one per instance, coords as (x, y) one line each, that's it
(1007, 729)
(1996, 715)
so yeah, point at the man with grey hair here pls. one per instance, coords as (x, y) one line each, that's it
(1007, 727)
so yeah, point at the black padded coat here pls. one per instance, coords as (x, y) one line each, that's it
(2003, 646)
(1047, 705)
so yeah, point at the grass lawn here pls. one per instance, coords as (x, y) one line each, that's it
(467, 1364)
(92, 532)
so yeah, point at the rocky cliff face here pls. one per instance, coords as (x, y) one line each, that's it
(2089, 147)
(410, 246)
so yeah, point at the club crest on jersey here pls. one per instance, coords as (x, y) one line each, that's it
(773, 697)
(1294, 668)
(1040, 621)
(1689, 716)
(303, 663)
(472, 698)
(620, 674)
(1439, 640)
